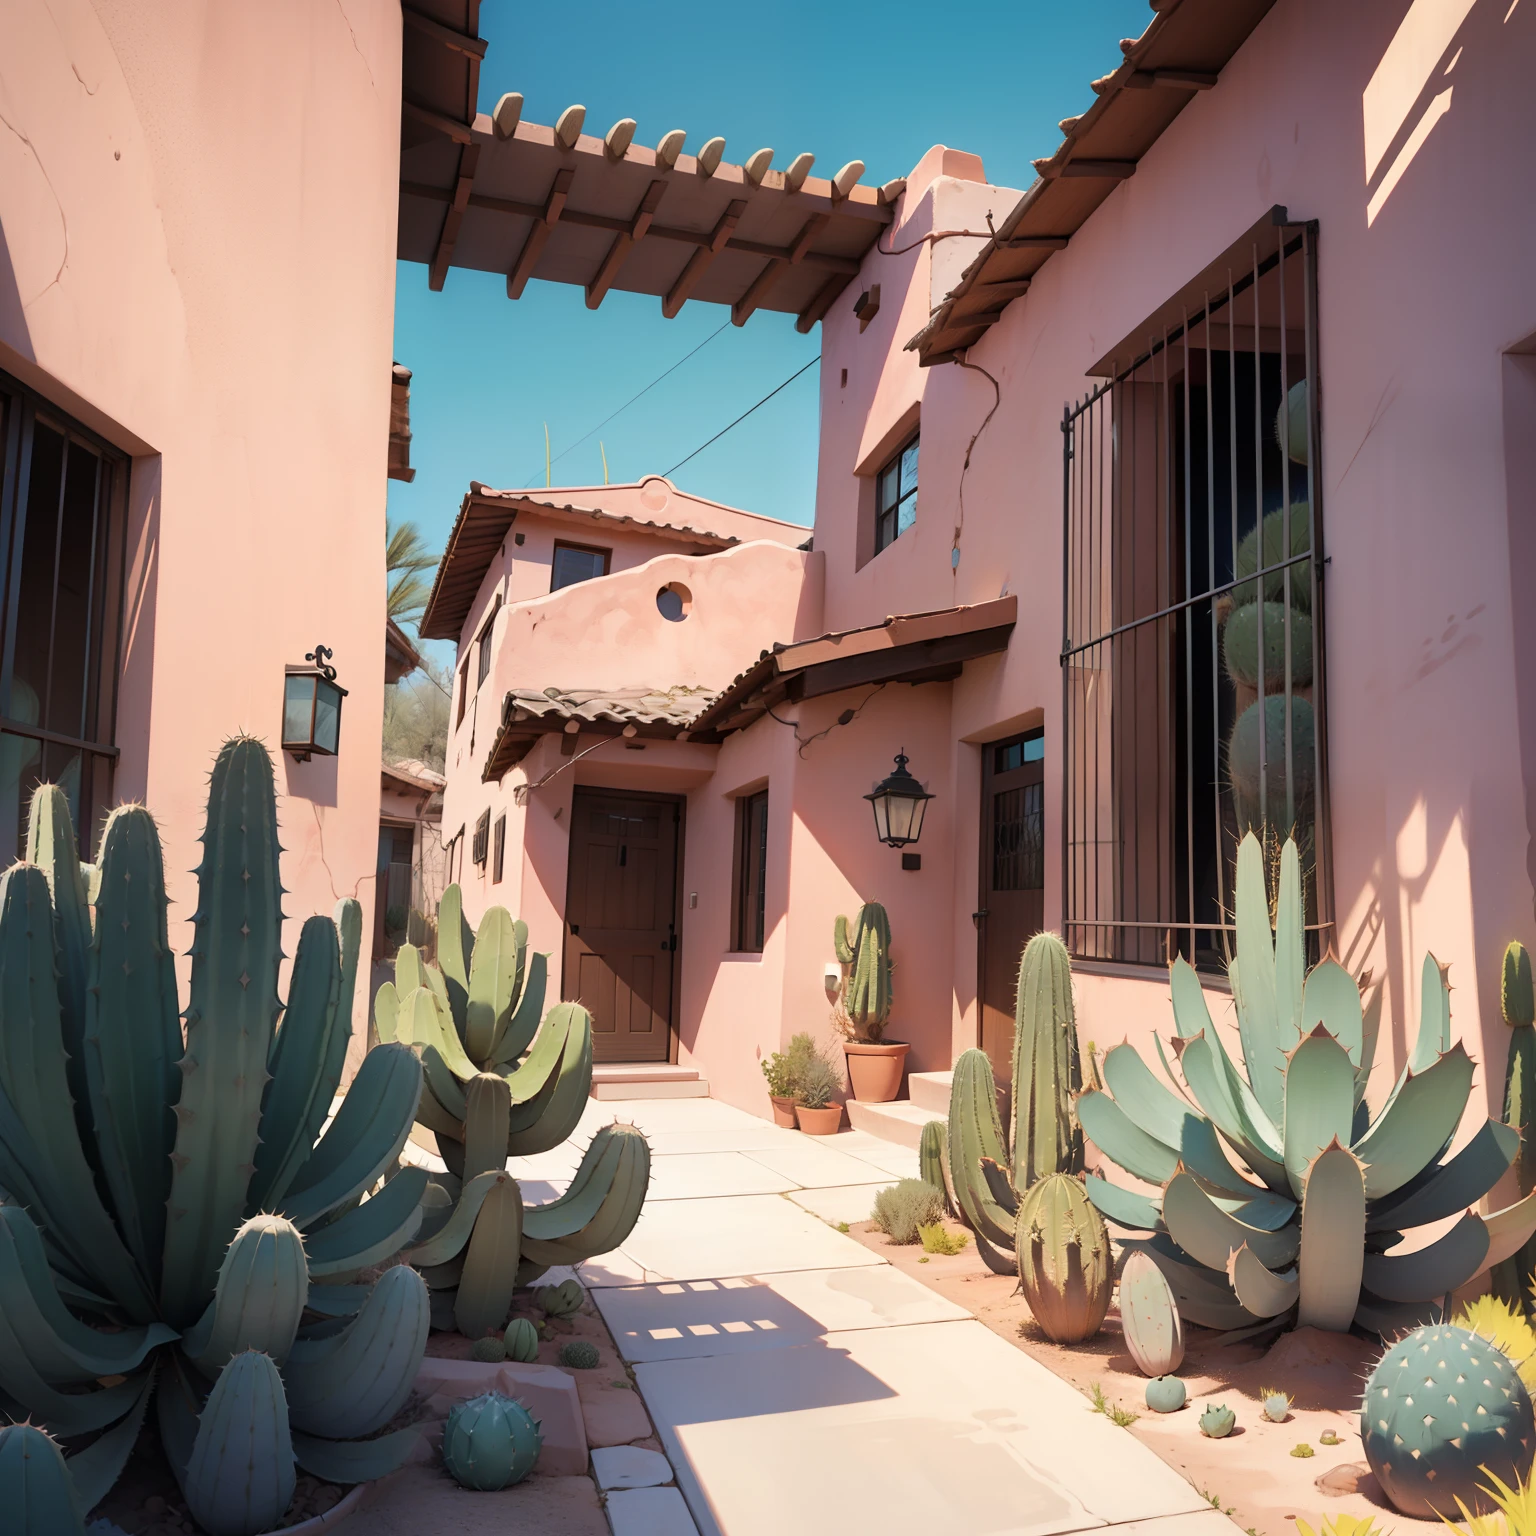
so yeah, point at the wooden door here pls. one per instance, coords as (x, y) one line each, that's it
(620, 921)
(1012, 905)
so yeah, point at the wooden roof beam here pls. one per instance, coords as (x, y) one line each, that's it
(459, 42)
(538, 236)
(437, 272)
(459, 132)
(701, 260)
(1173, 79)
(766, 280)
(597, 289)
(821, 303)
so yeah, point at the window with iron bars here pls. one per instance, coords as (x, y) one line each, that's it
(1193, 619)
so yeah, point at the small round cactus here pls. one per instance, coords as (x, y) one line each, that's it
(1276, 1406)
(559, 1300)
(579, 1355)
(1166, 1394)
(1218, 1421)
(1328, 1437)
(489, 1350)
(1303, 1450)
(522, 1341)
(490, 1442)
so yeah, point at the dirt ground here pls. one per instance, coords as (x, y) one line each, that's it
(1251, 1474)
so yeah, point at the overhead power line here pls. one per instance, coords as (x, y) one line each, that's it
(766, 398)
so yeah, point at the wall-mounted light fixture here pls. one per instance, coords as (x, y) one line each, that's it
(898, 802)
(312, 707)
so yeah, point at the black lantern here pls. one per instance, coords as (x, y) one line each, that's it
(899, 802)
(312, 707)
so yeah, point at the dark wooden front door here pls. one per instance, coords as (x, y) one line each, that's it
(620, 916)
(1012, 861)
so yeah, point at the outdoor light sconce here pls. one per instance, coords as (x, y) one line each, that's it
(312, 707)
(899, 802)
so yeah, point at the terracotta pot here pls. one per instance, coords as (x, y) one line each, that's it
(819, 1122)
(875, 1070)
(783, 1111)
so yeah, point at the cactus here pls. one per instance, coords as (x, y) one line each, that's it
(1240, 646)
(1302, 1450)
(177, 1208)
(579, 1355)
(1280, 1197)
(1066, 1270)
(1217, 1422)
(932, 1155)
(1492, 1318)
(1244, 758)
(522, 1341)
(1275, 1406)
(1328, 1437)
(901, 1208)
(502, 1079)
(1250, 559)
(1166, 1394)
(1149, 1318)
(987, 1173)
(1444, 1410)
(1513, 1278)
(490, 1442)
(489, 1351)
(41, 1496)
(864, 999)
(559, 1300)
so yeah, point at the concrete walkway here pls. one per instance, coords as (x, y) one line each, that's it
(798, 1382)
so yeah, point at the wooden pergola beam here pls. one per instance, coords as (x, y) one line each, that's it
(821, 303)
(777, 267)
(701, 260)
(538, 236)
(459, 132)
(449, 37)
(623, 243)
(437, 272)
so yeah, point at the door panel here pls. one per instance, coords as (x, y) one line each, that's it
(620, 940)
(1012, 906)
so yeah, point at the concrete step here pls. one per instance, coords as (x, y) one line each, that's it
(646, 1080)
(930, 1090)
(900, 1121)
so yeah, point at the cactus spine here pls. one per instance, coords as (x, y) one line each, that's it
(1066, 1269)
(865, 997)
(1513, 1277)
(490, 1442)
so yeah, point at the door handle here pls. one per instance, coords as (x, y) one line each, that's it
(976, 917)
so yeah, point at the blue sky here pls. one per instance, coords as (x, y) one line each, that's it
(874, 83)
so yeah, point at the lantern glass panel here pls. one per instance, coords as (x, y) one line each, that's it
(327, 716)
(298, 710)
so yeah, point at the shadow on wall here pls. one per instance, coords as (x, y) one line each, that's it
(1520, 485)
(14, 331)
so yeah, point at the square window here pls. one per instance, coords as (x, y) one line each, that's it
(577, 562)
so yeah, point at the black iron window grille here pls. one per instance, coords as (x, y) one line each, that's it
(63, 525)
(896, 496)
(1192, 649)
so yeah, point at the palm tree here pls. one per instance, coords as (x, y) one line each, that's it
(409, 564)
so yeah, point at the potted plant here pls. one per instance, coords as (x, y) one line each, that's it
(863, 1010)
(817, 1082)
(782, 1070)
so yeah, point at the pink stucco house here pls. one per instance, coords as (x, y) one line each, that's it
(1185, 492)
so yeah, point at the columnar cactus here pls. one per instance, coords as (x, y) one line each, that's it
(500, 1083)
(1149, 1318)
(1513, 1278)
(1066, 1269)
(41, 1495)
(1443, 1411)
(865, 997)
(179, 1209)
(932, 1155)
(1281, 1198)
(490, 1442)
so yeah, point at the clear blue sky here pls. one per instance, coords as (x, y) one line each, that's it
(875, 83)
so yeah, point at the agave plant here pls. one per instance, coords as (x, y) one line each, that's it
(499, 1084)
(180, 1221)
(1282, 1197)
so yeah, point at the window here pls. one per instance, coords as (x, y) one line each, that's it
(896, 497)
(1018, 817)
(484, 643)
(481, 848)
(463, 693)
(63, 498)
(1193, 551)
(499, 850)
(576, 562)
(750, 904)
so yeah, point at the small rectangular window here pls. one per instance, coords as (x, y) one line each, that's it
(499, 850)
(577, 562)
(483, 643)
(751, 884)
(463, 693)
(896, 496)
(482, 839)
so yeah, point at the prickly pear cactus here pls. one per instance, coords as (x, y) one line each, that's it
(490, 1442)
(522, 1341)
(1149, 1318)
(1442, 1411)
(1218, 1421)
(1066, 1270)
(1166, 1394)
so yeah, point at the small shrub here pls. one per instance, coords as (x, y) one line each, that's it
(819, 1082)
(903, 1208)
(936, 1238)
(1302, 1450)
(1111, 1411)
(579, 1355)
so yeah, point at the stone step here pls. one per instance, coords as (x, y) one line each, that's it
(646, 1080)
(930, 1090)
(900, 1121)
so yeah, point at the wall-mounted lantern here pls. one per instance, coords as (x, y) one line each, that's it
(899, 802)
(312, 707)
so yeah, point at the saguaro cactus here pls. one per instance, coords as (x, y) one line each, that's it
(865, 998)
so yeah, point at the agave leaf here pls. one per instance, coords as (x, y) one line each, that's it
(64, 1413)
(386, 1012)
(374, 1230)
(1436, 1270)
(337, 1300)
(1266, 1211)
(94, 1470)
(1443, 1189)
(422, 1024)
(583, 1196)
(1154, 1108)
(1290, 950)
(1332, 1000)
(1124, 1207)
(1255, 992)
(1204, 1295)
(1210, 1076)
(524, 1023)
(1319, 1102)
(1370, 1033)
(1202, 1152)
(1210, 1236)
(1417, 1122)
(1332, 1240)
(1122, 1141)
(450, 1238)
(354, 1461)
(1391, 1318)
(492, 982)
(487, 1117)
(1434, 1038)
(455, 953)
(446, 1089)
(1260, 1290)
(542, 1123)
(557, 1236)
(410, 972)
(489, 1274)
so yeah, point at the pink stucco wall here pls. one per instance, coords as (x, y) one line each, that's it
(198, 211)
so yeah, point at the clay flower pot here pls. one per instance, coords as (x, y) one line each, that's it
(819, 1122)
(783, 1111)
(875, 1070)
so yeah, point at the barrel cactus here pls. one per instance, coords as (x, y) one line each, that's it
(187, 1220)
(1240, 639)
(1066, 1270)
(1513, 1278)
(1166, 1394)
(1443, 1411)
(1275, 1406)
(1149, 1318)
(490, 1442)
(490, 1350)
(559, 1300)
(988, 1172)
(864, 998)
(1280, 1197)
(1270, 784)
(521, 1341)
(579, 1355)
(502, 1079)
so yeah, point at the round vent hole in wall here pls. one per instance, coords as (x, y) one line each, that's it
(674, 602)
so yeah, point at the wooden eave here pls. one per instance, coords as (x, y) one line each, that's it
(515, 739)
(1182, 52)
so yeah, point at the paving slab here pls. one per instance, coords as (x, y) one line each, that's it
(630, 1466)
(614, 1268)
(744, 1315)
(425, 1499)
(690, 1176)
(902, 1430)
(884, 1155)
(807, 1163)
(721, 1138)
(650, 1512)
(847, 1203)
(709, 1239)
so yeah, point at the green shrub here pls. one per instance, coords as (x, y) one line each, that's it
(903, 1208)
(937, 1238)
